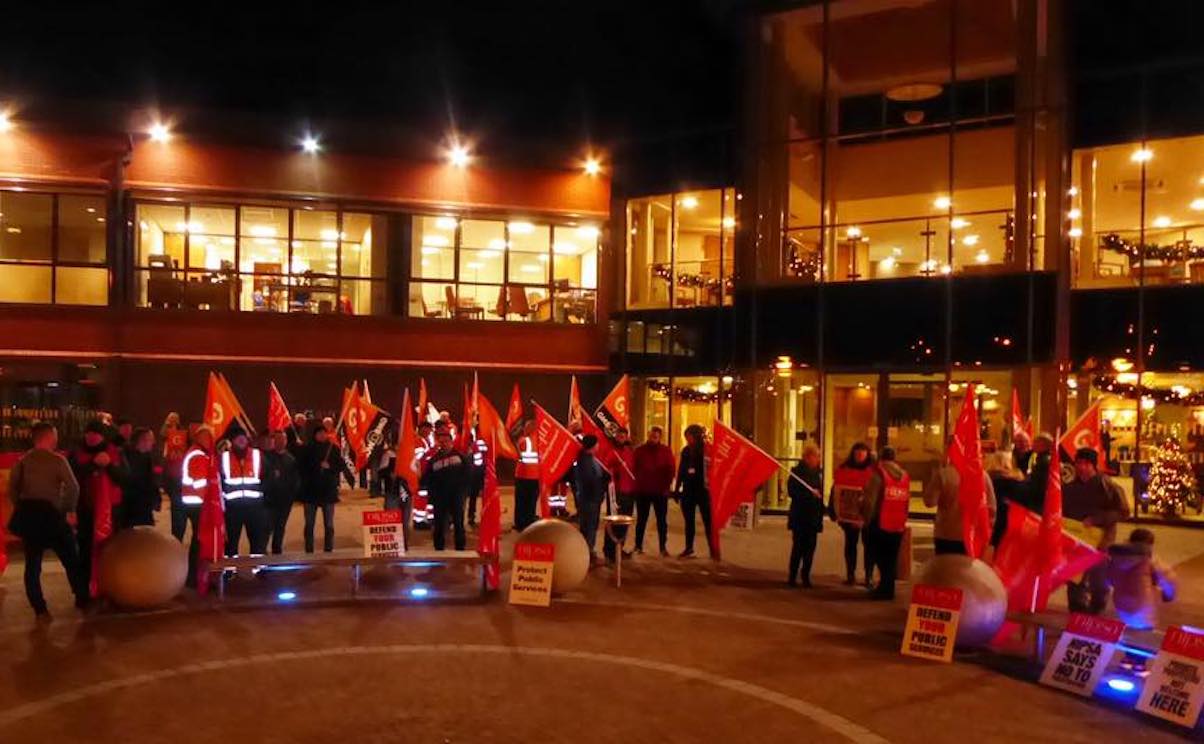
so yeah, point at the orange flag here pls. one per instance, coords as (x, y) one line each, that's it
(422, 400)
(514, 412)
(241, 417)
(361, 419)
(278, 415)
(493, 430)
(407, 468)
(575, 411)
(221, 407)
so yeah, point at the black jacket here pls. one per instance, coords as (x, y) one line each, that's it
(691, 478)
(589, 479)
(445, 473)
(281, 478)
(806, 506)
(321, 485)
(140, 491)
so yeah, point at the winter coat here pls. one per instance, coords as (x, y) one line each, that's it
(871, 501)
(281, 479)
(1099, 500)
(942, 492)
(654, 468)
(321, 485)
(1139, 582)
(445, 473)
(691, 471)
(140, 494)
(589, 479)
(621, 464)
(806, 504)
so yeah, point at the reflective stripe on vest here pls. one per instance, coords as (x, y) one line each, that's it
(246, 485)
(191, 486)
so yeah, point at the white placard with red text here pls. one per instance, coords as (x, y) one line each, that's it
(1174, 691)
(1082, 654)
(932, 618)
(383, 534)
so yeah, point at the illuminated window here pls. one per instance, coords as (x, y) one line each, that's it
(52, 248)
(680, 249)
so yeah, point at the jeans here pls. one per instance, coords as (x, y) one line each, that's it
(700, 501)
(626, 506)
(853, 534)
(526, 500)
(475, 487)
(249, 514)
(278, 515)
(179, 515)
(588, 515)
(311, 518)
(885, 549)
(644, 503)
(46, 529)
(449, 506)
(802, 549)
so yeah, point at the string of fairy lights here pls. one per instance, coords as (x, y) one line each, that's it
(1131, 391)
(1180, 251)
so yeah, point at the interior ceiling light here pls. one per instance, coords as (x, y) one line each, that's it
(914, 92)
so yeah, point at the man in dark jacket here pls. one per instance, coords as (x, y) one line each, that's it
(590, 482)
(281, 486)
(321, 465)
(1097, 501)
(445, 473)
(140, 497)
(806, 518)
(100, 470)
(692, 487)
(654, 468)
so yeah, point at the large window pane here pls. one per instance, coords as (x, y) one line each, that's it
(210, 238)
(697, 249)
(529, 252)
(434, 253)
(81, 229)
(431, 300)
(76, 285)
(315, 243)
(29, 284)
(364, 244)
(160, 236)
(477, 302)
(25, 227)
(649, 246)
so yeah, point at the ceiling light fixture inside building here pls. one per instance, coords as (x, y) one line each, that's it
(942, 202)
(909, 92)
(1162, 221)
(729, 222)
(1197, 205)
(957, 223)
(445, 223)
(689, 202)
(1075, 232)
(1142, 155)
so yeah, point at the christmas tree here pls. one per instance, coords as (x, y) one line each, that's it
(1171, 479)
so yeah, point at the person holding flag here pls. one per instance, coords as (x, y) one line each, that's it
(590, 483)
(445, 475)
(321, 465)
(1099, 503)
(806, 517)
(526, 478)
(692, 491)
(620, 462)
(962, 494)
(282, 483)
(943, 492)
(100, 471)
(421, 512)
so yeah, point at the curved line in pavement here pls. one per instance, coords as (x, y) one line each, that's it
(649, 606)
(850, 730)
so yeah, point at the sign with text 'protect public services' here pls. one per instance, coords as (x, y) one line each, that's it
(531, 574)
(1082, 654)
(932, 622)
(383, 534)
(1174, 691)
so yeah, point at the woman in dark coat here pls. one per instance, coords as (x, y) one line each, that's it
(806, 520)
(321, 465)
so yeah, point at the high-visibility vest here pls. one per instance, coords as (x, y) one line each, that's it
(528, 460)
(241, 477)
(478, 453)
(896, 495)
(194, 476)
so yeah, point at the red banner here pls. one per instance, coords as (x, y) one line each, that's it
(278, 415)
(576, 412)
(1184, 643)
(941, 597)
(407, 445)
(490, 531)
(738, 468)
(557, 448)
(491, 429)
(1051, 519)
(1092, 626)
(1085, 435)
(1019, 423)
(965, 454)
(514, 411)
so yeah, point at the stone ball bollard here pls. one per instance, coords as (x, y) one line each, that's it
(572, 554)
(141, 568)
(984, 598)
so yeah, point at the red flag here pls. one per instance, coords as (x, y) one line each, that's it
(278, 415)
(615, 411)
(514, 412)
(367, 394)
(1019, 423)
(241, 413)
(605, 448)
(464, 436)
(1085, 434)
(576, 412)
(422, 399)
(557, 448)
(738, 468)
(3, 547)
(490, 531)
(965, 454)
(1051, 521)
(407, 445)
(360, 418)
(492, 430)
(221, 407)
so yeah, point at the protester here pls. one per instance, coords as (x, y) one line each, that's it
(620, 462)
(141, 497)
(421, 513)
(1098, 502)
(124, 435)
(1043, 458)
(44, 491)
(478, 450)
(849, 482)
(100, 471)
(175, 446)
(1022, 451)
(654, 468)
(526, 478)
(884, 510)
(1139, 580)
(948, 531)
(386, 474)
(590, 482)
(197, 471)
(445, 476)
(282, 483)
(806, 518)
(1007, 482)
(242, 492)
(692, 487)
(321, 465)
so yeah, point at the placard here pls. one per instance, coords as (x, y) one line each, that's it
(742, 519)
(383, 534)
(848, 504)
(932, 622)
(1174, 691)
(531, 574)
(1082, 654)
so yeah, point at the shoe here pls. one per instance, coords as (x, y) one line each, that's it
(791, 583)
(664, 553)
(850, 581)
(687, 553)
(639, 551)
(879, 596)
(628, 553)
(807, 583)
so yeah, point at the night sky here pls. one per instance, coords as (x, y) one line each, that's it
(537, 70)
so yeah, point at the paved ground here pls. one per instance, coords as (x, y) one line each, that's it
(685, 651)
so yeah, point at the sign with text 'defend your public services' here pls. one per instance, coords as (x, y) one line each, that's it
(1082, 654)
(531, 574)
(383, 534)
(932, 622)
(1174, 691)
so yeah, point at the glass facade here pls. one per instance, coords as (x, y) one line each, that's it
(53, 248)
(516, 270)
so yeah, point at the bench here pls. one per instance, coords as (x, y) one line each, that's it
(354, 560)
(1139, 642)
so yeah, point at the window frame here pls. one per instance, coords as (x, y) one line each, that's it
(54, 263)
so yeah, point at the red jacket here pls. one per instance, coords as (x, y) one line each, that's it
(621, 464)
(654, 468)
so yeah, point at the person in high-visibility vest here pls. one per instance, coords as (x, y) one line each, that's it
(242, 491)
(476, 479)
(887, 496)
(196, 470)
(421, 513)
(526, 478)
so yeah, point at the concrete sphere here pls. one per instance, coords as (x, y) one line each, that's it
(142, 568)
(984, 599)
(572, 554)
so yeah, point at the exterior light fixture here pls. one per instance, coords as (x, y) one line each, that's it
(6, 122)
(592, 166)
(159, 132)
(458, 155)
(310, 144)
(942, 202)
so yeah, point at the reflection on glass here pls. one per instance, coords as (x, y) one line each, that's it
(787, 408)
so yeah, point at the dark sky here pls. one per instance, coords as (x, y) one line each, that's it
(533, 70)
